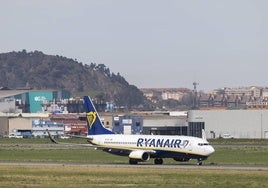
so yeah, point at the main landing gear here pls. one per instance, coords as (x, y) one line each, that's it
(158, 161)
(199, 162)
(133, 161)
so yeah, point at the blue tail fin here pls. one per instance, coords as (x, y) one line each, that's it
(94, 123)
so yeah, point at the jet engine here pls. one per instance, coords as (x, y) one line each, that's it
(140, 155)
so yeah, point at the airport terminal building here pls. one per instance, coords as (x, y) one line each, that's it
(231, 123)
(251, 124)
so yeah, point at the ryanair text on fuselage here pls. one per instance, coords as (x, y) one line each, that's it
(169, 143)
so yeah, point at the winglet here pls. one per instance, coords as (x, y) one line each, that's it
(51, 138)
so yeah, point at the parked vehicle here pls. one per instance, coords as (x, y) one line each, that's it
(227, 136)
(64, 137)
(13, 135)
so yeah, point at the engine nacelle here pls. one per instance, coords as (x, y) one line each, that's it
(181, 159)
(140, 155)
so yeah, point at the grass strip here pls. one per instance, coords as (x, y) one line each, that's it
(87, 176)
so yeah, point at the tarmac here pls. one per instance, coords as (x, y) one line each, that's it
(179, 166)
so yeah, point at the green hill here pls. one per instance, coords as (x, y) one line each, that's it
(40, 71)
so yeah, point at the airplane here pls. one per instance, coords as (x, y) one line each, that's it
(140, 148)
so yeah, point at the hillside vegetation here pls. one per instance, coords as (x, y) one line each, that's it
(40, 71)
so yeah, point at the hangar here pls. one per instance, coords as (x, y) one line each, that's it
(231, 123)
(164, 125)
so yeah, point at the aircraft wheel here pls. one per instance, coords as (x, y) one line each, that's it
(199, 163)
(158, 161)
(133, 161)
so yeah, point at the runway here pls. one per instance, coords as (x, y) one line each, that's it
(179, 166)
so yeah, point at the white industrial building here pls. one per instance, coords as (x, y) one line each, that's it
(232, 123)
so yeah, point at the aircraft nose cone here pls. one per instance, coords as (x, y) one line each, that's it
(211, 150)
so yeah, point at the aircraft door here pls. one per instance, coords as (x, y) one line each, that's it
(190, 148)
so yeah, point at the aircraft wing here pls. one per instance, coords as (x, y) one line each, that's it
(54, 141)
(124, 151)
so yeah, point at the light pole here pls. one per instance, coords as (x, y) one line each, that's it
(261, 125)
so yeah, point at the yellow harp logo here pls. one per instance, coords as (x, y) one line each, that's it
(91, 118)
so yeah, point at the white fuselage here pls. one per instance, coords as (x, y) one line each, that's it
(154, 143)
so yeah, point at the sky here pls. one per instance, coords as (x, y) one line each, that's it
(151, 43)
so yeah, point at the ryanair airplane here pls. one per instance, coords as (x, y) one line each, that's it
(140, 148)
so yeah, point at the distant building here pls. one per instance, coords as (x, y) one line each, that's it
(20, 122)
(243, 91)
(8, 105)
(265, 94)
(172, 95)
(235, 123)
(73, 123)
(40, 127)
(28, 101)
(127, 124)
(257, 105)
(231, 98)
(165, 93)
(164, 125)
